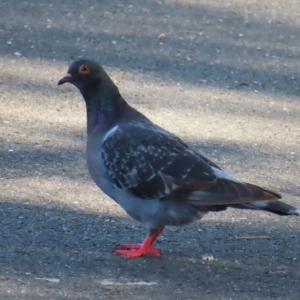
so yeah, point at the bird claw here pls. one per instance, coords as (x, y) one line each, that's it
(129, 246)
(136, 250)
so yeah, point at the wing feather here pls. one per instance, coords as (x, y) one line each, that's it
(151, 163)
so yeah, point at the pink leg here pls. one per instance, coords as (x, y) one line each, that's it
(136, 250)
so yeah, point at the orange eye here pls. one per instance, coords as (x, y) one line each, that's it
(84, 69)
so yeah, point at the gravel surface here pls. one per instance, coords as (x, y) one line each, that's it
(224, 76)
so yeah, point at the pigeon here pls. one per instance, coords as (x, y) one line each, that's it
(151, 173)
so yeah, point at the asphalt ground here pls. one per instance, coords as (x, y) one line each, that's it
(224, 76)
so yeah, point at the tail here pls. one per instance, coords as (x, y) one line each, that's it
(276, 207)
(266, 200)
(221, 193)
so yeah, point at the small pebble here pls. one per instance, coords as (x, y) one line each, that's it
(208, 257)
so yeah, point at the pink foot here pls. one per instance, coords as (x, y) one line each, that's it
(129, 246)
(136, 250)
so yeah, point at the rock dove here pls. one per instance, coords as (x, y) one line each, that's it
(154, 175)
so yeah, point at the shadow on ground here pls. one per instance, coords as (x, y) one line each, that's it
(204, 45)
(62, 243)
(28, 160)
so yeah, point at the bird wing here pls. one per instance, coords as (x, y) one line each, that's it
(151, 163)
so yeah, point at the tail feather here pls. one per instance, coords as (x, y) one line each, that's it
(268, 202)
(224, 191)
(276, 207)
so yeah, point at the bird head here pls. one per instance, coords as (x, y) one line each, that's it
(83, 73)
(96, 87)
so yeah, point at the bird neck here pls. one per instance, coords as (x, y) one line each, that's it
(104, 110)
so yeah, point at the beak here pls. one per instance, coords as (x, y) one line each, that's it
(66, 78)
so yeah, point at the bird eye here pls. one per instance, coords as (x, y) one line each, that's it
(84, 69)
